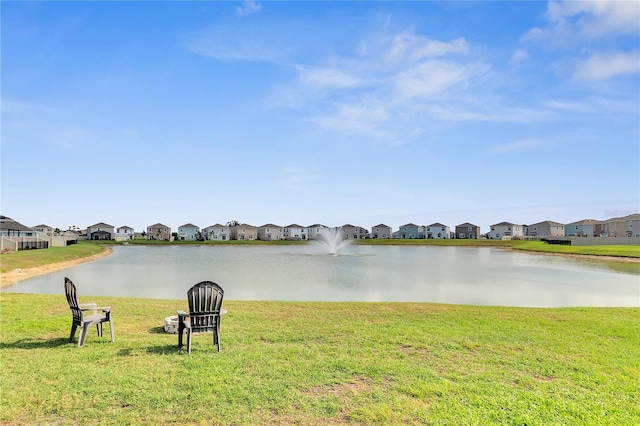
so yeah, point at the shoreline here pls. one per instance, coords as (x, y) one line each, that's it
(10, 278)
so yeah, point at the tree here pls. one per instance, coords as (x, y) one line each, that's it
(233, 223)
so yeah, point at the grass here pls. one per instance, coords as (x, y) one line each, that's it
(605, 250)
(323, 363)
(25, 259)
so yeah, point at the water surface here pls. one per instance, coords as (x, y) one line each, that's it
(478, 276)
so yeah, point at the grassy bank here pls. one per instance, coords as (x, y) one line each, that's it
(323, 363)
(542, 247)
(25, 259)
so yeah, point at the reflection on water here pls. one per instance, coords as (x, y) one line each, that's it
(479, 276)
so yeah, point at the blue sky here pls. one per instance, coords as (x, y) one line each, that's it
(133, 113)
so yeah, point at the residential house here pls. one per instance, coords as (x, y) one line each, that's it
(411, 231)
(217, 232)
(581, 228)
(125, 233)
(547, 228)
(381, 231)
(188, 232)
(437, 231)
(12, 228)
(467, 231)
(44, 231)
(314, 230)
(270, 232)
(101, 231)
(159, 232)
(244, 232)
(295, 232)
(352, 232)
(506, 229)
(633, 225)
(618, 226)
(16, 236)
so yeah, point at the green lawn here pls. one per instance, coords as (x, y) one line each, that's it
(323, 363)
(25, 259)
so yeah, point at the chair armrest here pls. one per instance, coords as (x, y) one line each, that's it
(103, 308)
(182, 314)
(87, 306)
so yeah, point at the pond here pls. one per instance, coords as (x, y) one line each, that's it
(477, 276)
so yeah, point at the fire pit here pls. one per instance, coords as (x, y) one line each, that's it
(171, 324)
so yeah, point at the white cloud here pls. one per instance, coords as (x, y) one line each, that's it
(218, 44)
(411, 47)
(577, 20)
(248, 7)
(368, 117)
(519, 55)
(328, 77)
(433, 77)
(463, 112)
(517, 146)
(602, 67)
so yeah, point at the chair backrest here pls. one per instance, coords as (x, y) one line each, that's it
(205, 301)
(72, 298)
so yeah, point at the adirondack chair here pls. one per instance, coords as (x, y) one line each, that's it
(83, 320)
(205, 302)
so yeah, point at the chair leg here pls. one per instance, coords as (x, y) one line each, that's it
(113, 336)
(189, 341)
(83, 333)
(99, 328)
(216, 338)
(73, 332)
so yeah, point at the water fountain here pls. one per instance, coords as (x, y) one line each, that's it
(332, 240)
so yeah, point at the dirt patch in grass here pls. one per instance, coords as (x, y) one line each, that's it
(340, 390)
(12, 277)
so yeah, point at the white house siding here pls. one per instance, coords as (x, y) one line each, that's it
(295, 232)
(125, 233)
(313, 231)
(437, 231)
(381, 231)
(505, 229)
(217, 233)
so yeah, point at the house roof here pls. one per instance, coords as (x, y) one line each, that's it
(101, 224)
(270, 225)
(125, 227)
(409, 224)
(505, 224)
(158, 225)
(438, 224)
(623, 218)
(294, 225)
(217, 225)
(547, 222)
(585, 222)
(381, 225)
(467, 224)
(42, 226)
(6, 223)
(188, 225)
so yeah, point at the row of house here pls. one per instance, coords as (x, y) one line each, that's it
(627, 226)
(615, 227)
